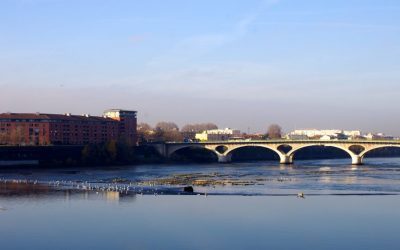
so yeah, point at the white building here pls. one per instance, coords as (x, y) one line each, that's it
(218, 134)
(312, 133)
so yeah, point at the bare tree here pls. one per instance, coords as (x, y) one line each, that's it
(144, 127)
(188, 128)
(173, 136)
(209, 126)
(167, 126)
(167, 131)
(200, 127)
(158, 134)
(169, 135)
(145, 132)
(274, 131)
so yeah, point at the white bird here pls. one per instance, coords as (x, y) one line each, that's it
(300, 195)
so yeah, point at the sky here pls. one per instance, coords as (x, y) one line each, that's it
(239, 64)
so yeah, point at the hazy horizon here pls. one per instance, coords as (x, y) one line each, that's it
(245, 65)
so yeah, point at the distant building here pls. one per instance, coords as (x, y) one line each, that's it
(218, 135)
(326, 138)
(342, 136)
(316, 133)
(296, 137)
(67, 129)
(378, 136)
(254, 137)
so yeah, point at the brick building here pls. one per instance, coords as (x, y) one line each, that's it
(67, 129)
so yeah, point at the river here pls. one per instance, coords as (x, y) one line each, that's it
(233, 206)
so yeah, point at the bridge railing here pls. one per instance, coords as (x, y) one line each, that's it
(285, 141)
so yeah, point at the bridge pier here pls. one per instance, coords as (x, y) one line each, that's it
(224, 158)
(286, 159)
(356, 160)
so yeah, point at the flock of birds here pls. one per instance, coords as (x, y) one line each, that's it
(131, 188)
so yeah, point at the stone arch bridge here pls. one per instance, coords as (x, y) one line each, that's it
(285, 149)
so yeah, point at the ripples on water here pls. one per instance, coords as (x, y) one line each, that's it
(314, 177)
(254, 206)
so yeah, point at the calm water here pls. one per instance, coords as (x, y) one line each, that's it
(247, 206)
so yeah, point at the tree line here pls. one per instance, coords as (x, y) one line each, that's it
(170, 131)
(112, 152)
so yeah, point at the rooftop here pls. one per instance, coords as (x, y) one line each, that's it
(40, 116)
(119, 110)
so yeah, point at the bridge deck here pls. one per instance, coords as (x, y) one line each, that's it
(396, 142)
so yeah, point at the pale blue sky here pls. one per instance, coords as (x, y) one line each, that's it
(242, 64)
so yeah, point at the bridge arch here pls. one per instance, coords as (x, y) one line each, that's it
(221, 149)
(356, 159)
(280, 155)
(357, 149)
(362, 155)
(285, 148)
(175, 150)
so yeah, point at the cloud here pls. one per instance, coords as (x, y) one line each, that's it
(193, 47)
(336, 25)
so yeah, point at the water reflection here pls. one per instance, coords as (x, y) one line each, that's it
(249, 206)
(86, 220)
(21, 189)
(325, 179)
